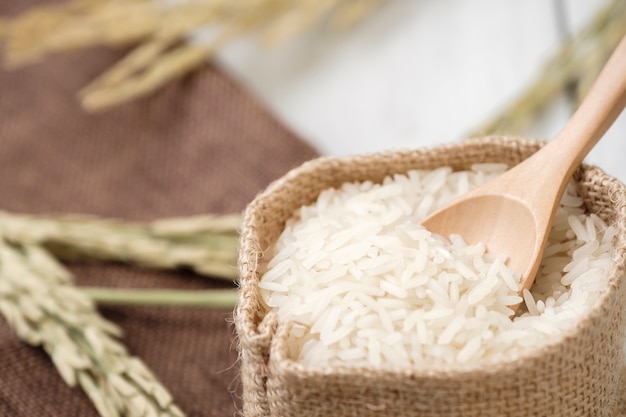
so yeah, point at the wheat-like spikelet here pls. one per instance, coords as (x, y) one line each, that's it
(40, 302)
(170, 37)
(205, 244)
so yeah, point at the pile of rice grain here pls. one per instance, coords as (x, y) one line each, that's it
(365, 285)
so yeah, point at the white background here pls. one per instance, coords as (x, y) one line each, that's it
(417, 73)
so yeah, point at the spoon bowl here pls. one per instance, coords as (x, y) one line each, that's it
(512, 214)
(491, 210)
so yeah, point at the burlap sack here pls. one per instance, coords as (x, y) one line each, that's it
(578, 376)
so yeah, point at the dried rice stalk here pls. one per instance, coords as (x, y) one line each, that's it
(41, 304)
(205, 244)
(160, 297)
(577, 63)
(172, 36)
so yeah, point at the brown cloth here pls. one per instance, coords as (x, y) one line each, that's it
(201, 145)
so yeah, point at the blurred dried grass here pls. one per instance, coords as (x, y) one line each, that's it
(170, 37)
(577, 63)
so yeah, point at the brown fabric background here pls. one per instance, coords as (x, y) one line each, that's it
(201, 145)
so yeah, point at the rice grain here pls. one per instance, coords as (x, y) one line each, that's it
(365, 285)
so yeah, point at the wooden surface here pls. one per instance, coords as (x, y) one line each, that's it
(417, 73)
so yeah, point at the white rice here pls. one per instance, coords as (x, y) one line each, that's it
(365, 285)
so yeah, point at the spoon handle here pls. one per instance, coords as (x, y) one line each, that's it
(600, 108)
(551, 168)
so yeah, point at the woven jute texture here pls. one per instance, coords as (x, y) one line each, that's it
(580, 375)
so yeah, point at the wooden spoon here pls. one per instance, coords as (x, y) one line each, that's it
(512, 213)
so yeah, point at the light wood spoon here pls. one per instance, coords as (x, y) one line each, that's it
(512, 214)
